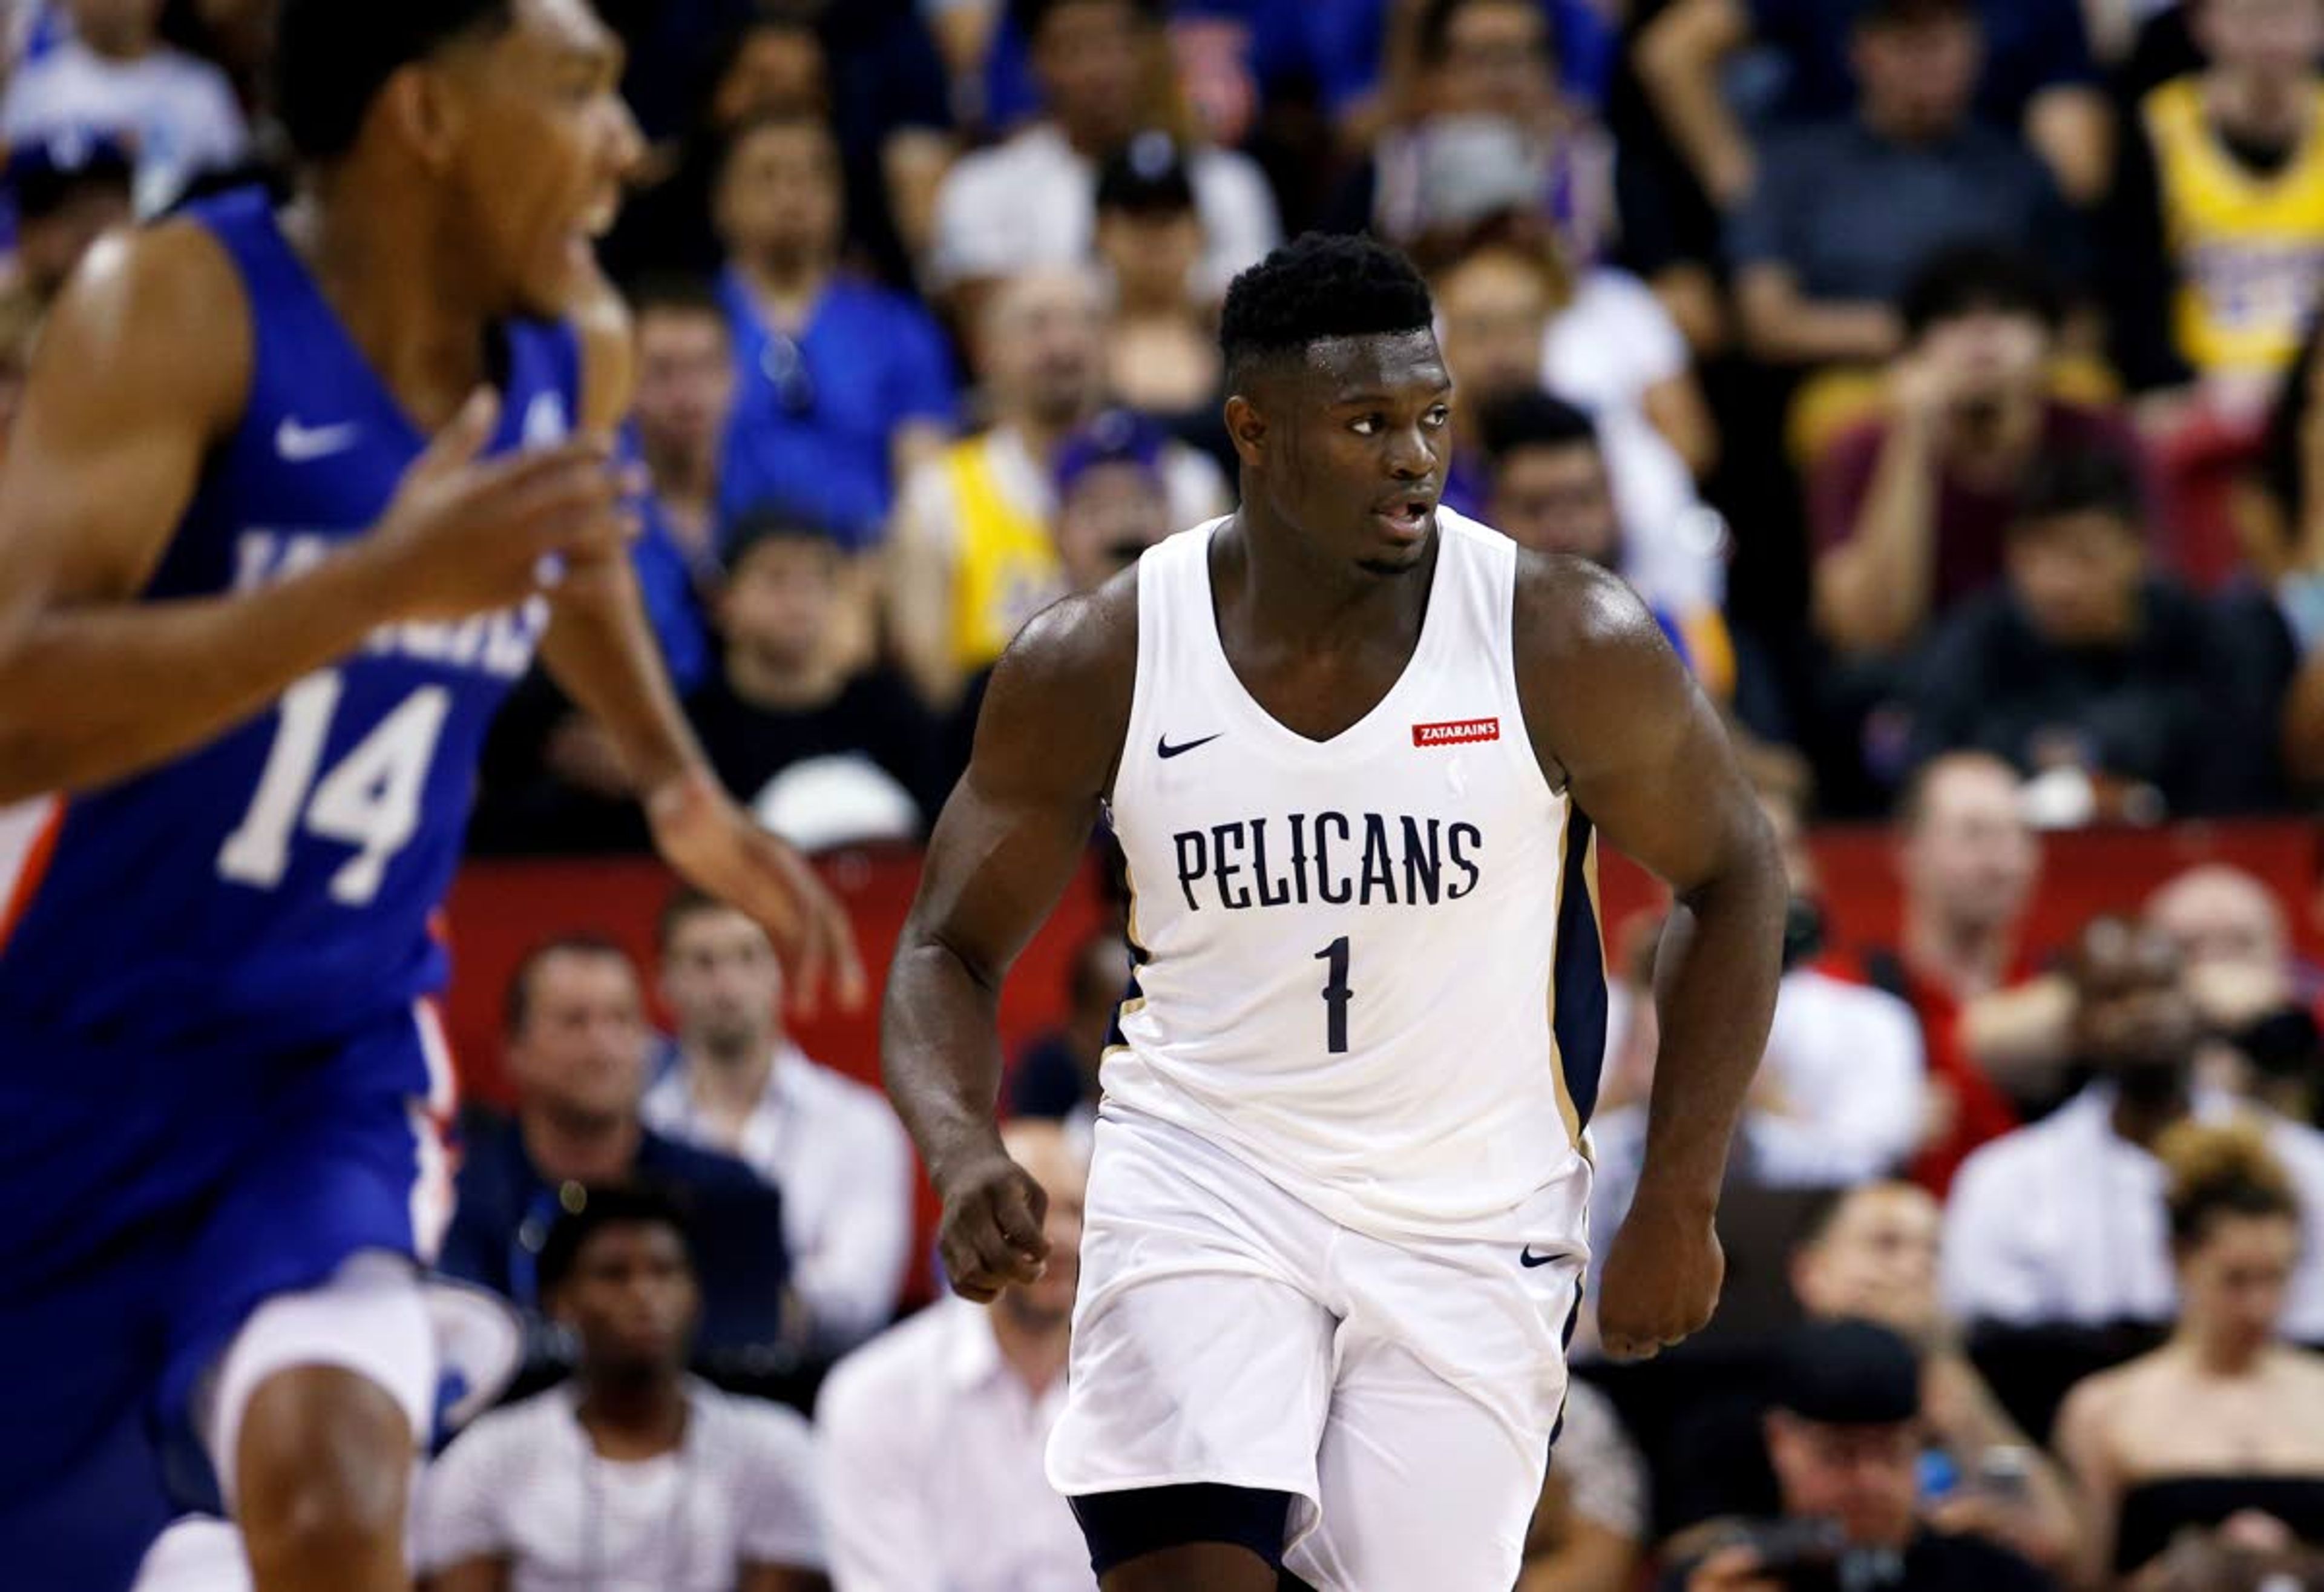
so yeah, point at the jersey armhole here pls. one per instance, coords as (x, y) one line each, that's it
(1150, 590)
(1521, 744)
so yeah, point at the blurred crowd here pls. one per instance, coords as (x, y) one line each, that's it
(1939, 370)
(1943, 372)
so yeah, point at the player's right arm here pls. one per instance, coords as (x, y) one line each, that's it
(1009, 840)
(144, 367)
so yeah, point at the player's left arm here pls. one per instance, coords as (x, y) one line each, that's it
(1615, 717)
(601, 650)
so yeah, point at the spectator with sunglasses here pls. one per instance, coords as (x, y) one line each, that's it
(845, 386)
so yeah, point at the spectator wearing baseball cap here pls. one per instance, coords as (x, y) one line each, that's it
(68, 190)
(1163, 356)
(1845, 1438)
(1113, 503)
(177, 112)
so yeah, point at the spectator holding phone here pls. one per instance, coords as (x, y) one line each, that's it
(1845, 1440)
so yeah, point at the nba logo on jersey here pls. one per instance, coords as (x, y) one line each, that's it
(545, 421)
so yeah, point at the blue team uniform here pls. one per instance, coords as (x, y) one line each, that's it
(219, 1076)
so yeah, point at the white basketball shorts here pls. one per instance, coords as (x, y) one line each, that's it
(1404, 1392)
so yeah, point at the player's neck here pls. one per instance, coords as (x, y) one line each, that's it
(404, 304)
(1273, 578)
(567, 1148)
(634, 1418)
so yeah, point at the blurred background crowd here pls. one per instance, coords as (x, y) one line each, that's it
(1943, 374)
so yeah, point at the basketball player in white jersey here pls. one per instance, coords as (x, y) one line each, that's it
(1357, 750)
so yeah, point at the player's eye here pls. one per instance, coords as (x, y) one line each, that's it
(1369, 426)
(1440, 416)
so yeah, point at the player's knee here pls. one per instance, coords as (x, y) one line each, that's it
(323, 1465)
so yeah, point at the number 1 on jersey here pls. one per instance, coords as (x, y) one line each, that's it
(1335, 997)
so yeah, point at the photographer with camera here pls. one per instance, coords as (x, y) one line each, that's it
(1845, 1440)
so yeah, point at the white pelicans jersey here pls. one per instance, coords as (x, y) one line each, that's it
(1369, 968)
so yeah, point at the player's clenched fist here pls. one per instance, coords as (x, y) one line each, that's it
(1662, 1277)
(990, 1234)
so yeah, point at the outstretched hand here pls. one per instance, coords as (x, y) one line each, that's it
(1662, 1279)
(714, 846)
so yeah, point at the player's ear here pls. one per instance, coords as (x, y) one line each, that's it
(418, 101)
(1247, 428)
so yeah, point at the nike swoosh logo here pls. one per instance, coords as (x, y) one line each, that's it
(300, 444)
(1163, 748)
(1526, 1257)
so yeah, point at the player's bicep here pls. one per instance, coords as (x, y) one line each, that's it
(1002, 853)
(138, 369)
(1014, 832)
(1643, 751)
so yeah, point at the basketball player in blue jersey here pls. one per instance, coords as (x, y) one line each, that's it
(253, 623)
(1357, 750)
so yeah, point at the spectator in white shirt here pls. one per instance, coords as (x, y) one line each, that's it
(1843, 1086)
(1841, 1092)
(1032, 200)
(116, 76)
(2064, 1222)
(633, 1477)
(932, 1437)
(830, 1144)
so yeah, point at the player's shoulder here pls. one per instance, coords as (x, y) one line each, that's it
(600, 325)
(159, 309)
(1074, 662)
(1570, 606)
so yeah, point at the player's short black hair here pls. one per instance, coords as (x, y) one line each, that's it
(1532, 420)
(516, 1000)
(1433, 37)
(587, 1210)
(1319, 286)
(2086, 480)
(332, 57)
(1967, 277)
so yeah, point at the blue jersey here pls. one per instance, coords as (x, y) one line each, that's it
(270, 892)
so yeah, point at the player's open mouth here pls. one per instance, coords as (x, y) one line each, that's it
(592, 224)
(1406, 519)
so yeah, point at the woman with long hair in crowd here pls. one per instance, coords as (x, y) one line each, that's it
(2204, 1459)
